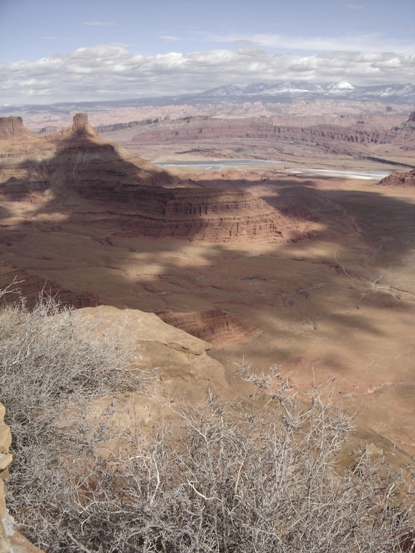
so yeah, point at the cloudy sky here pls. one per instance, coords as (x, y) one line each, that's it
(73, 50)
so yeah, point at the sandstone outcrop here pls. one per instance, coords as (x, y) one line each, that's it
(81, 125)
(185, 368)
(5, 460)
(215, 325)
(11, 541)
(77, 160)
(71, 159)
(405, 180)
(12, 127)
(194, 214)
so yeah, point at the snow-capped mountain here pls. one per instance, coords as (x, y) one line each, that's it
(285, 91)
(340, 87)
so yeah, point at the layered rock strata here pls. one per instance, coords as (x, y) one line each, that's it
(78, 161)
(406, 133)
(75, 157)
(214, 325)
(12, 127)
(193, 214)
(195, 129)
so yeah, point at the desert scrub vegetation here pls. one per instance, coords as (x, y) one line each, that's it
(229, 478)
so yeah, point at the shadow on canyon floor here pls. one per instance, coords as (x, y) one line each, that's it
(95, 244)
(339, 303)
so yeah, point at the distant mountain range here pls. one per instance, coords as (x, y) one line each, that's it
(281, 92)
(288, 91)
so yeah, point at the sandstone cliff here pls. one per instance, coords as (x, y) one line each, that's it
(333, 138)
(12, 127)
(75, 157)
(405, 133)
(78, 161)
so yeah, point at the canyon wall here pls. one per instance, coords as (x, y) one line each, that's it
(48, 171)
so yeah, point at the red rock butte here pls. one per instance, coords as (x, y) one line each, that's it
(12, 127)
(154, 203)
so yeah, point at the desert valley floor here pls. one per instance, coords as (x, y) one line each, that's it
(310, 272)
(335, 302)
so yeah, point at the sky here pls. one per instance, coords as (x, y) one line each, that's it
(88, 50)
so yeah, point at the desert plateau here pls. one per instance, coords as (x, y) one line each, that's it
(225, 235)
(283, 263)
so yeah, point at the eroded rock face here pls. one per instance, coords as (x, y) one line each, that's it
(71, 159)
(214, 326)
(12, 127)
(81, 126)
(196, 128)
(78, 161)
(193, 214)
(400, 179)
(405, 134)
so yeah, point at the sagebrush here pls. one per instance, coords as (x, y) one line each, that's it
(233, 477)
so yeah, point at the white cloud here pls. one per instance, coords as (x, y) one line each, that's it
(111, 72)
(371, 42)
(170, 38)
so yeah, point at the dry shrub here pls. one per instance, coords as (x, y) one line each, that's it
(235, 479)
